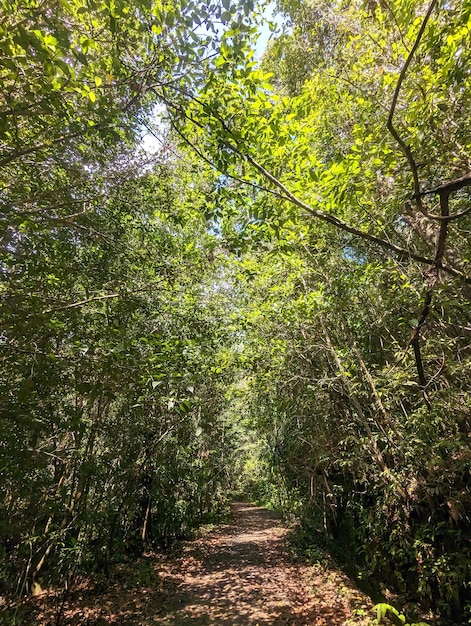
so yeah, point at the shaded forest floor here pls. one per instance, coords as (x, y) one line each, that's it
(240, 573)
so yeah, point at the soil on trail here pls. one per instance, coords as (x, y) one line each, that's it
(238, 574)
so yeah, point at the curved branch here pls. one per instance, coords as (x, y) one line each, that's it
(287, 195)
(74, 305)
(341, 225)
(445, 190)
(447, 218)
(402, 144)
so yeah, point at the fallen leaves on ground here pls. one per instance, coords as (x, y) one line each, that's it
(240, 573)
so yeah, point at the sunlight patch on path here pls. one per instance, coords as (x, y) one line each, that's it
(241, 574)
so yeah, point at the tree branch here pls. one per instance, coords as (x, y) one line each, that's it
(74, 305)
(445, 190)
(415, 342)
(287, 195)
(335, 221)
(402, 144)
(46, 144)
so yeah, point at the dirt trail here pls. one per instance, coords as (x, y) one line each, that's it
(239, 574)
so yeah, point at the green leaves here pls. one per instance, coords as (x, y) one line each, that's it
(387, 611)
(112, 328)
(147, 307)
(328, 304)
(134, 381)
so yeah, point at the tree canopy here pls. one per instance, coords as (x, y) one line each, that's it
(275, 301)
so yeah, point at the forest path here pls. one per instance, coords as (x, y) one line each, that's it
(237, 574)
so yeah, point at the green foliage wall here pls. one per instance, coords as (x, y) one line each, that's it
(112, 332)
(110, 387)
(359, 455)
(355, 233)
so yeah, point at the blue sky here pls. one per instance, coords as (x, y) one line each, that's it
(152, 144)
(265, 32)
